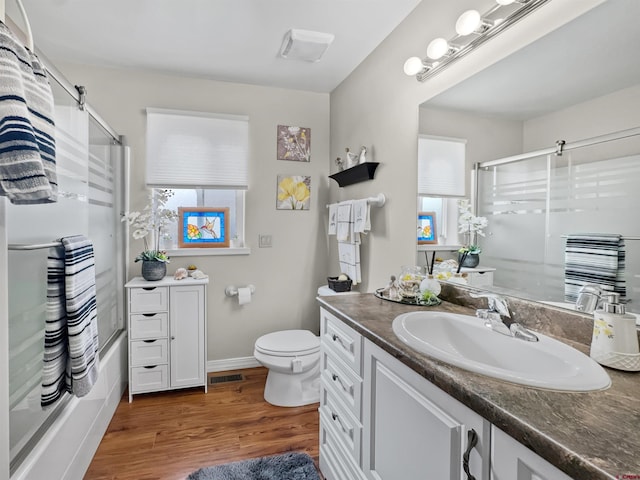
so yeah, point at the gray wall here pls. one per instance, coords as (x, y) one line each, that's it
(377, 106)
(287, 275)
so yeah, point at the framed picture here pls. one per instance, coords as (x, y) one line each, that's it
(294, 143)
(427, 228)
(293, 192)
(203, 227)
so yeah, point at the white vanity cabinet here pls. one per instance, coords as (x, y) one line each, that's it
(167, 334)
(510, 460)
(340, 400)
(380, 420)
(415, 431)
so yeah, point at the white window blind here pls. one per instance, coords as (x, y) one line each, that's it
(441, 166)
(195, 149)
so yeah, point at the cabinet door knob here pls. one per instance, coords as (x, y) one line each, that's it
(472, 441)
(172, 337)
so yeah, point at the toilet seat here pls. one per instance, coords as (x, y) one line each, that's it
(288, 343)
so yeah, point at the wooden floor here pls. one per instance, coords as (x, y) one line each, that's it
(166, 436)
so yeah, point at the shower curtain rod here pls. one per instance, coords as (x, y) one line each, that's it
(562, 148)
(32, 246)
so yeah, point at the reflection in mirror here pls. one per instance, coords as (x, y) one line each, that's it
(577, 83)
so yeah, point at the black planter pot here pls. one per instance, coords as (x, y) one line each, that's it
(470, 261)
(153, 270)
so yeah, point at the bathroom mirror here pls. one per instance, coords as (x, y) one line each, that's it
(579, 82)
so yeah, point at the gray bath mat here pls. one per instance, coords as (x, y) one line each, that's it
(288, 466)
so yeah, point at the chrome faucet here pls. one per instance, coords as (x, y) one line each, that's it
(493, 318)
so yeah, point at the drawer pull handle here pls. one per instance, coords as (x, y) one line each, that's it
(149, 288)
(336, 419)
(336, 378)
(151, 366)
(150, 341)
(472, 441)
(149, 314)
(336, 338)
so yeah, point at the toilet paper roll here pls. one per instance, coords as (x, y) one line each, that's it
(244, 295)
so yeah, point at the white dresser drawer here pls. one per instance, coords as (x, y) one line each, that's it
(343, 425)
(148, 299)
(480, 279)
(335, 464)
(149, 325)
(345, 384)
(148, 379)
(149, 352)
(344, 341)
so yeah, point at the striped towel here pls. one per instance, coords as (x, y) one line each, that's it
(71, 332)
(594, 258)
(27, 142)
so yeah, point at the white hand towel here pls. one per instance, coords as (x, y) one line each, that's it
(345, 225)
(333, 219)
(362, 216)
(349, 258)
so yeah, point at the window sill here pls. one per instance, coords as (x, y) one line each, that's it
(203, 252)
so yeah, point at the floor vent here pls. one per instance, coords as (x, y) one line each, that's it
(225, 378)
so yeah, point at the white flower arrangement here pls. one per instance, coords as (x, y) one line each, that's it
(154, 218)
(471, 226)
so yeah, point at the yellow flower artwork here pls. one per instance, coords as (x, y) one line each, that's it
(294, 192)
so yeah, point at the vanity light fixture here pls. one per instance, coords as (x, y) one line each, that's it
(472, 30)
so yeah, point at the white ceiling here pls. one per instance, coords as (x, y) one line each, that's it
(229, 40)
(593, 55)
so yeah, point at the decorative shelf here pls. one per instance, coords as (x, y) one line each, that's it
(357, 174)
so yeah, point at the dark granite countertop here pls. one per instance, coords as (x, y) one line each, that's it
(594, 435)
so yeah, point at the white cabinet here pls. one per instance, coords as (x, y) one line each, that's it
(415, 431)
(510, 460)
(167, 334)
(480, 276)
(340, 400)
(380, 420)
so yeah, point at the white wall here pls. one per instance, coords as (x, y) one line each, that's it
(599, 116)
(377, 106)
(287, 275)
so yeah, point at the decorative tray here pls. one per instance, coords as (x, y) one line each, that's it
(418, 302)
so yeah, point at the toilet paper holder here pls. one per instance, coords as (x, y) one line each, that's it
(232, 290)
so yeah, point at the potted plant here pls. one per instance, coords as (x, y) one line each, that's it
(470, 226)
(153, 219)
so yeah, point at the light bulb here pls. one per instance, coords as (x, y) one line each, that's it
(413, 66)
(468, 22)
(437, 48)
(504, 2)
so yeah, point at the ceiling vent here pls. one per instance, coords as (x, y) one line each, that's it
(305, 45)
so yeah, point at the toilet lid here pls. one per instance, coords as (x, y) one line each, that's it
(288, 342)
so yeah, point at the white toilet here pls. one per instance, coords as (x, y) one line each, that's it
(293, 360)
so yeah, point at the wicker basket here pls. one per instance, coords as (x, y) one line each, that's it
(339, 285)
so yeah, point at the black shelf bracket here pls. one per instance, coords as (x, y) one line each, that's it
(359, 173)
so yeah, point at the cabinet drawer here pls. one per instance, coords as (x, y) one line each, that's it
(342, 381)
(148, 299)
(148, 379)
(344, 426)
(344, 341)
(334, 463)
(149, 325)
(149, 352)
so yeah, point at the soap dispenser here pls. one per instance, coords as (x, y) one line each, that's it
(615, 339)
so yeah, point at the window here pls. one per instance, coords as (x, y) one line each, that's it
(201, 197)
(441, 181)
(203, 159)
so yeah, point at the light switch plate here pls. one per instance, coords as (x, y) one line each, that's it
(264, 241)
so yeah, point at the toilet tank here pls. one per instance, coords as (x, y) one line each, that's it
(325, 291)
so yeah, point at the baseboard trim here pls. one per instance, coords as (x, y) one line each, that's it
(232, 364)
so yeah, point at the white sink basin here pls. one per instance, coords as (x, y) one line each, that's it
(465, 342)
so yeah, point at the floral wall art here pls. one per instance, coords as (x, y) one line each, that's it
(294, 192)
(294, 143)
